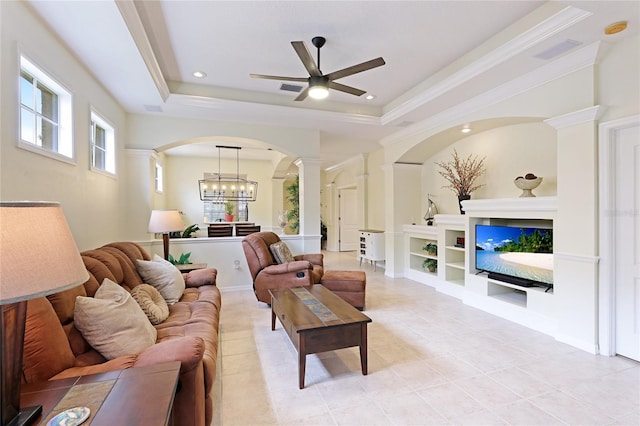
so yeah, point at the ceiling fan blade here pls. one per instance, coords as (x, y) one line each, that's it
(303, 95)
(306, 58)
(374, 63)
(276, 77)
(346, 89)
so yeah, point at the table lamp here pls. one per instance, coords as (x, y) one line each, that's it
(38, 257)
(163, 222)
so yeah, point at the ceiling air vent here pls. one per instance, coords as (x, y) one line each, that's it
(558, 49)
(404, 124)
(291, 88)
(153, 108)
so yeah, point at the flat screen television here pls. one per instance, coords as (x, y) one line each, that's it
(517, 255)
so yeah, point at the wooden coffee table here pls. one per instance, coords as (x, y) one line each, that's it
(317, 320)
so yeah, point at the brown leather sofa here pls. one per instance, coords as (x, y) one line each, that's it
(55, 349)
(307, 269)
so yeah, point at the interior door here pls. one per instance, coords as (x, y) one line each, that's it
(627, 246)
(349, 236)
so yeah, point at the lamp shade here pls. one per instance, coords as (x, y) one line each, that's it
(163, 221)
(38, 253)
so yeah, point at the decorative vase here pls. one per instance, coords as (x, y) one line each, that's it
(527, 184)
(462, 198)
(228, 217)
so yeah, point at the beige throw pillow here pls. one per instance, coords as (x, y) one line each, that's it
(281, 252)
(162, 275)
(112, 322)
(151, 302)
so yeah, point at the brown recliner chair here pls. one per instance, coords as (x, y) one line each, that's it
(307, 269)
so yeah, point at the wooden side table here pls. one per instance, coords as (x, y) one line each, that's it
(134, 396)
(191, 267)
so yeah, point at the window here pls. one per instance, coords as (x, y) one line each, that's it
(103, 155)
(45, 112)
(159, 181)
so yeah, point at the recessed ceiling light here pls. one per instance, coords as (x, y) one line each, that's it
(370, 97)
(465, 130)
(615, 28)
(199, 74)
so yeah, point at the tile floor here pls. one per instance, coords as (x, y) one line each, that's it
(432, 361)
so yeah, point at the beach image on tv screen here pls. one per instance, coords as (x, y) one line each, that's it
(522, 252)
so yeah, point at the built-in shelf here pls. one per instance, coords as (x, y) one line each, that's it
(456, 276)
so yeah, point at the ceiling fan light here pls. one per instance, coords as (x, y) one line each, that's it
(318, 92)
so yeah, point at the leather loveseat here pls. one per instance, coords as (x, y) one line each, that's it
(55, 349)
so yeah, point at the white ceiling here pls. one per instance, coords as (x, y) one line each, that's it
(437, 53)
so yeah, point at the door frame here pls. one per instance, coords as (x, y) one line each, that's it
(606, 189)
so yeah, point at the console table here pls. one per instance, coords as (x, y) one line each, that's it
(134, 396)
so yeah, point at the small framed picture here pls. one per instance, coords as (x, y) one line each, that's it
(460, 242)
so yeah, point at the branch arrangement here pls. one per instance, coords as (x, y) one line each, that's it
(461, 174)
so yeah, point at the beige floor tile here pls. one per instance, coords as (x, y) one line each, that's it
(453, 368)
(409, 409)
(363, 414)
(343, 392)
(487, 391)
(298, 404)
(238, 346)
(520, 382)
(418, 374)
(526, 414)
(481, 418)
(432, 360)
(570, 410)
(450, 401)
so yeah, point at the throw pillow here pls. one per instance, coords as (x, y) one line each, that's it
(151, 302)
(162, 275)
(281, 252)
(112, 322)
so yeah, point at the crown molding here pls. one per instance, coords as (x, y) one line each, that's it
(355, 158)
(131, 18)
(574, 118)
(565, 18)
(584, 57)
(219, 104)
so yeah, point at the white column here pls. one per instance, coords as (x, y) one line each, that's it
(402, 194)
(362, 191)
(277, 202)
(576, 247)
(309, 173)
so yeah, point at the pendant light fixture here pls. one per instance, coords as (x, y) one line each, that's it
(221, 188)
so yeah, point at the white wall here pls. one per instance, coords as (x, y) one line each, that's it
(509, 152)
(619, 82)
(92, 202)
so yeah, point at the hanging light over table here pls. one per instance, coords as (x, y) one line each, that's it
(220, 188)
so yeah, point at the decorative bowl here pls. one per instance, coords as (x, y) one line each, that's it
(527, 184)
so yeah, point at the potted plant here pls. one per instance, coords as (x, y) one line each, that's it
(183, 260)
(228, 208)
(430, 265)
(431, 249)
(293, 214)
(462, 175)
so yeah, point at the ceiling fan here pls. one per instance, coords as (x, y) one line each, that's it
(319, 84)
